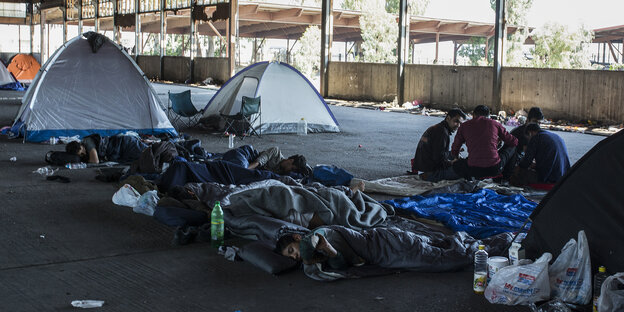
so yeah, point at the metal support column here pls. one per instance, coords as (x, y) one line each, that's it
(254, 57)
(193, 38)
(137, 29)
(402, 49)
(116, 34)
(64, 21)
(499, 30)
(437, 49)
(327, 35)
(161, 38)
(41, 37)
(232, 35)
(32, 29)
(96, 17)
(79, 17)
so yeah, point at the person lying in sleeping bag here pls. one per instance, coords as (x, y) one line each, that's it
(95, 148)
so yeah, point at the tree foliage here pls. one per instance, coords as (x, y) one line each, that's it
(379, 32)
(307, 57)
(414, 7)
(558, 46)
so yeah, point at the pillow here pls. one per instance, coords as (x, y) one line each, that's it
(262, 256)
(59, 158)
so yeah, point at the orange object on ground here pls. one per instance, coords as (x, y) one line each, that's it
(24, 67)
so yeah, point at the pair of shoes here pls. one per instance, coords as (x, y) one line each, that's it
(184, 235)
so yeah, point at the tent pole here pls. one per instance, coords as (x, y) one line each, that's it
(326, 43)
(402, 42)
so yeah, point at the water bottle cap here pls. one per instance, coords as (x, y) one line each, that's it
(302, 118)
(602, 269)
(217, 203)
(481, 247)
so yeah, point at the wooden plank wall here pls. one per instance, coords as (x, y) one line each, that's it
(362, 81)
(215, 67)
(562, 94)
(576, 95)
(150, 65)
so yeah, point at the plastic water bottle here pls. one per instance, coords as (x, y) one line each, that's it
(79, 165)
(302, 127)
(599, 278)
(217, 227)
(45, 171)
(231, 140)
(480, 270)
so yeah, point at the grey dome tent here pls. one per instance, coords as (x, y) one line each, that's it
(90, 85)
(7, 80)
(286, 96)
(589, 197)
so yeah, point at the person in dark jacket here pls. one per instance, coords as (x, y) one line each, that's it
(550, 155)
(432, 156)
(535, 116)
(95, 148)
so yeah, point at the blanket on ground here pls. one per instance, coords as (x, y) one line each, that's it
(406, 245)
(273, 198)
(480, 214)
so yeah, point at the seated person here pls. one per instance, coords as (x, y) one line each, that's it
(270, 159)
(482, 136)
(95, 148)
(550, 155)
(432, 156)
(535, 116)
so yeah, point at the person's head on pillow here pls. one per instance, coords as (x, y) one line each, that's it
(288, 246)
(294, 163)
(77, 148)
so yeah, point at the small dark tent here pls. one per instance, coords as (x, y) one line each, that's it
(590, 197)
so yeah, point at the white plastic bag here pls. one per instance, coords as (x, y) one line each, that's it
(147, 203)
(520, 284)
(126, 196)
(570, 274)
(612, 294)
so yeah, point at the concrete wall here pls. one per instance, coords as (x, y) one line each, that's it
(176, 68)
(215, 67)
(566, 94)
(150, 65)
(562, 94)
(362, 81)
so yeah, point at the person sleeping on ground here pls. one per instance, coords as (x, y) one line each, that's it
(95, 148)
(270, 159)
(410, 246)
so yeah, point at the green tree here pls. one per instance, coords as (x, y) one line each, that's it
(379, 32)
(308, 57)
(415, 7)
(558, 46)
(474, 51)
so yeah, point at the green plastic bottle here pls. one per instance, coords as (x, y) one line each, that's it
(217, 227)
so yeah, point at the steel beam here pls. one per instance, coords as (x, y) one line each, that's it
(193, 38)
(232, 35)
(499, 36)
(402, 49)
(161, 38)
(326, 43)
(137, 29)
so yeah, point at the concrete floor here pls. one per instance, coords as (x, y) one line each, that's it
(63, 242)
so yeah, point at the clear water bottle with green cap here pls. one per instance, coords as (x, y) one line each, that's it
(480, 270)
(217, 226)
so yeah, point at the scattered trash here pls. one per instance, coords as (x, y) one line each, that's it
(146, 204)
(79, 165)
(13, 158)
(555, 305)
(379, 298)
(66, 139)
(46, 171)
(42, 236)
(360, 145)
(126, 196)
(53, 140)
(86, 304)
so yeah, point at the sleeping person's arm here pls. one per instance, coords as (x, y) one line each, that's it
(93, 156)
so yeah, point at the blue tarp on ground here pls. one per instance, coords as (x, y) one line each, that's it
(481, 214)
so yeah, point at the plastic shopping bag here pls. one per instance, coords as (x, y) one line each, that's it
(612, 294)
(126, 196)
(147, 203)
(570, 274)
(520, 284)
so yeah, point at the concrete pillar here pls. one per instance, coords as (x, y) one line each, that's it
(193, 38)
(64, 21)
(79, 17)
(437, 49)
(327, 35)
(96, 16)
(499, 36)
(402, 49)
(161, 38)
(232, 35)
(137, 29)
